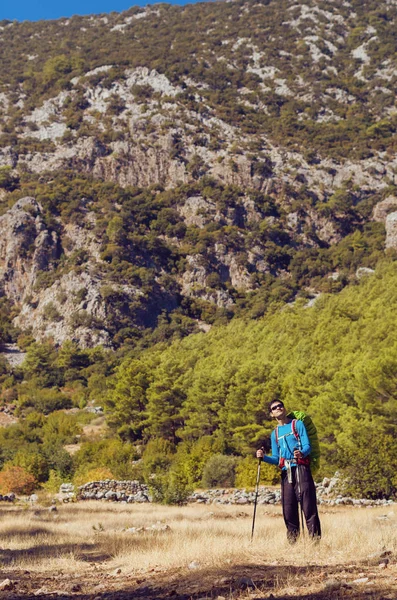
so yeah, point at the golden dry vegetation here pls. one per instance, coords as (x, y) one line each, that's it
(82, 551)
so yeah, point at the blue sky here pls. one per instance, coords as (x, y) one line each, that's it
(34, 10)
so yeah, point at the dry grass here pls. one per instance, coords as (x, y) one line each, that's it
(87, 541)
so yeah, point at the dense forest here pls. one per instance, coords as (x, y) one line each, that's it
(173, 408)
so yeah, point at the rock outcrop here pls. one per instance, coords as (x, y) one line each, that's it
(384, 208)
(57, 299)
(27, 248)
(391, 230)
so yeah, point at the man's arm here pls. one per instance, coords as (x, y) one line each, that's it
(274, 458)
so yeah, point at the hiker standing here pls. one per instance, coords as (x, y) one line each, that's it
(290, 450)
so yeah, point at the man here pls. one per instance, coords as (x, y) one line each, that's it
(291, 450)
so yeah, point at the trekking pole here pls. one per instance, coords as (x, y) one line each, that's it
(258, 476)
(298, 478)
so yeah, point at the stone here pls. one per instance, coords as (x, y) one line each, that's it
(194, 565)
(7, 584)
(111, 495)
(363, 272)
(159, 527)
(242, 501)
(42, 591)
(332, 584)
(245, 582)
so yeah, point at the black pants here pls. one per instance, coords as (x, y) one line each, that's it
(302, 489)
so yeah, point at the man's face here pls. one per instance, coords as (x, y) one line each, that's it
(277, 410)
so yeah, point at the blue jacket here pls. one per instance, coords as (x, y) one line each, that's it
(287, 443)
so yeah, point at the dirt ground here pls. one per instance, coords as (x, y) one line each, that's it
(308, 584)
(86, 568)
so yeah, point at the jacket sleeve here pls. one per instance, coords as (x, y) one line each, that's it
(304, 438)
(274, 458)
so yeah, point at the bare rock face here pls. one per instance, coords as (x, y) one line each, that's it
(384, 208)
(67, 308)
(197, 211)
(26, 248)
(391, 230)
(72, 308)
(233, 270)
(194, 283)
(323, 228)
(59, 297)
(81, 238)
(195, 274)
(72, 304)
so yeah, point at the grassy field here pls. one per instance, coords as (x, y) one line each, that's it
(82, 551)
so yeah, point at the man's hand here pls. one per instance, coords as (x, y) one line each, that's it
(297, 454)
(259, 453)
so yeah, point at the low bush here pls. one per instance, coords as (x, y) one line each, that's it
(220, 471)
(246, 473)
(85, 475)
(17, 480)
(54, 482)
(172, 488)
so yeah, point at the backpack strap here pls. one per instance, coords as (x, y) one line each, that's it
(295, 431)
(300, 461)
(281, 460)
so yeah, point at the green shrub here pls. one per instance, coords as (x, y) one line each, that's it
(54, 482)
(113, 454)
(86, 474)
(51, 313)
(369, 466)
(58, 459)
(246, 473)
(33, 463)
(45, 400)
(171, 488)
(191, 458)
(220, 471)
(157, 457)
(8, 181)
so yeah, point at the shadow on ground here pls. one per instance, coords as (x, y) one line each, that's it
(237, 581)
(85, 552)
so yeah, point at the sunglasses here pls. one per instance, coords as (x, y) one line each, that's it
(277, 406)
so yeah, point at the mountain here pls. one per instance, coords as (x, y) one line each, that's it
(181, 165)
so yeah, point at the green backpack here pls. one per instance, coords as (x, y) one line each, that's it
(313, 437)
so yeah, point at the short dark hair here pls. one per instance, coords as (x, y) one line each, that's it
(276, 400)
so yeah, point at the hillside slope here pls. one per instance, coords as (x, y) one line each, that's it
(186, 164)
